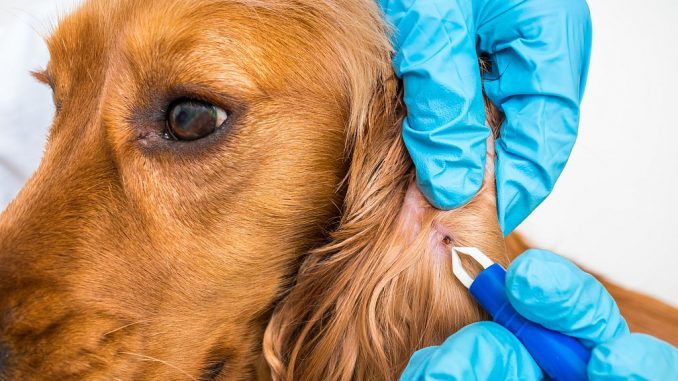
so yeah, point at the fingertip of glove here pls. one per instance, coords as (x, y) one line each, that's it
(455, 358)
(444, 196)
(538, 277)
(483, 330)
(418, 363)
(553, 291)
(487, 351)
(484, 334)
(490, 336)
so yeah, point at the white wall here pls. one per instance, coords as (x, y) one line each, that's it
(614, 209)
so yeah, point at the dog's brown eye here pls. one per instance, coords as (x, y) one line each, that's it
(191, 120)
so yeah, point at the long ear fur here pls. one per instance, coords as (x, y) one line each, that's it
(382, 288)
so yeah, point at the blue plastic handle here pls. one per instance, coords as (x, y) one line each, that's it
(560, 356)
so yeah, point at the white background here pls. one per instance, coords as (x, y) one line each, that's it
(615, 207)
(613, 210)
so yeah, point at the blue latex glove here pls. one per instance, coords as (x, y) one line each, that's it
(540, 50)
(552, 291)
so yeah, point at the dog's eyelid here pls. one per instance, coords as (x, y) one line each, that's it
(192, 92)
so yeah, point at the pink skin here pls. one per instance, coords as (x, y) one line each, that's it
(416, 207)
(412, 215)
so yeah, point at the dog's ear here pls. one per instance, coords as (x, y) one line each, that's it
(379, 290)
(382, 287)
(315, 332)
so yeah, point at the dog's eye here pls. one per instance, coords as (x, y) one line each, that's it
(191, 120)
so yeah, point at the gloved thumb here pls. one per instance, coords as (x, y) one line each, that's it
(554, 292)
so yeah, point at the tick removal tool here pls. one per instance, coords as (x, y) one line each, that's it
(560, 356)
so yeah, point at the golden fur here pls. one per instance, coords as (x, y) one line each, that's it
(130, 257)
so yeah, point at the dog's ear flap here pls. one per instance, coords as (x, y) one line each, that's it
(318, 331)
(363, 303)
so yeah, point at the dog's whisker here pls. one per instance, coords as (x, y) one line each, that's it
(124, 326)
(153, 359)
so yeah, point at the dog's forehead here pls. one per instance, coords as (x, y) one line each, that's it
(275, 39)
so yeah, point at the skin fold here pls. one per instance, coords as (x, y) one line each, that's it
(289, 243)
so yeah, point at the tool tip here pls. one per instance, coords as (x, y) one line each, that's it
(457, 268)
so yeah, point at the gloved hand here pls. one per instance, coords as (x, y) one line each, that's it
(540, 51)
(553, 292)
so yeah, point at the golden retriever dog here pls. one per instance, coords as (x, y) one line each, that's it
(225, 195)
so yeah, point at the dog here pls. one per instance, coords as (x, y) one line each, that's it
(225, 196)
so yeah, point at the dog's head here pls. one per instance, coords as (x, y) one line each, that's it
(197, 152)
(195, 156)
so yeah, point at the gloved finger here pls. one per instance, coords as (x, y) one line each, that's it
(634, 357)
(444, 131)
(554, 292)
(540, 51)
(480, 351)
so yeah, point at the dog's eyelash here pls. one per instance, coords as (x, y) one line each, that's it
(43, 76)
